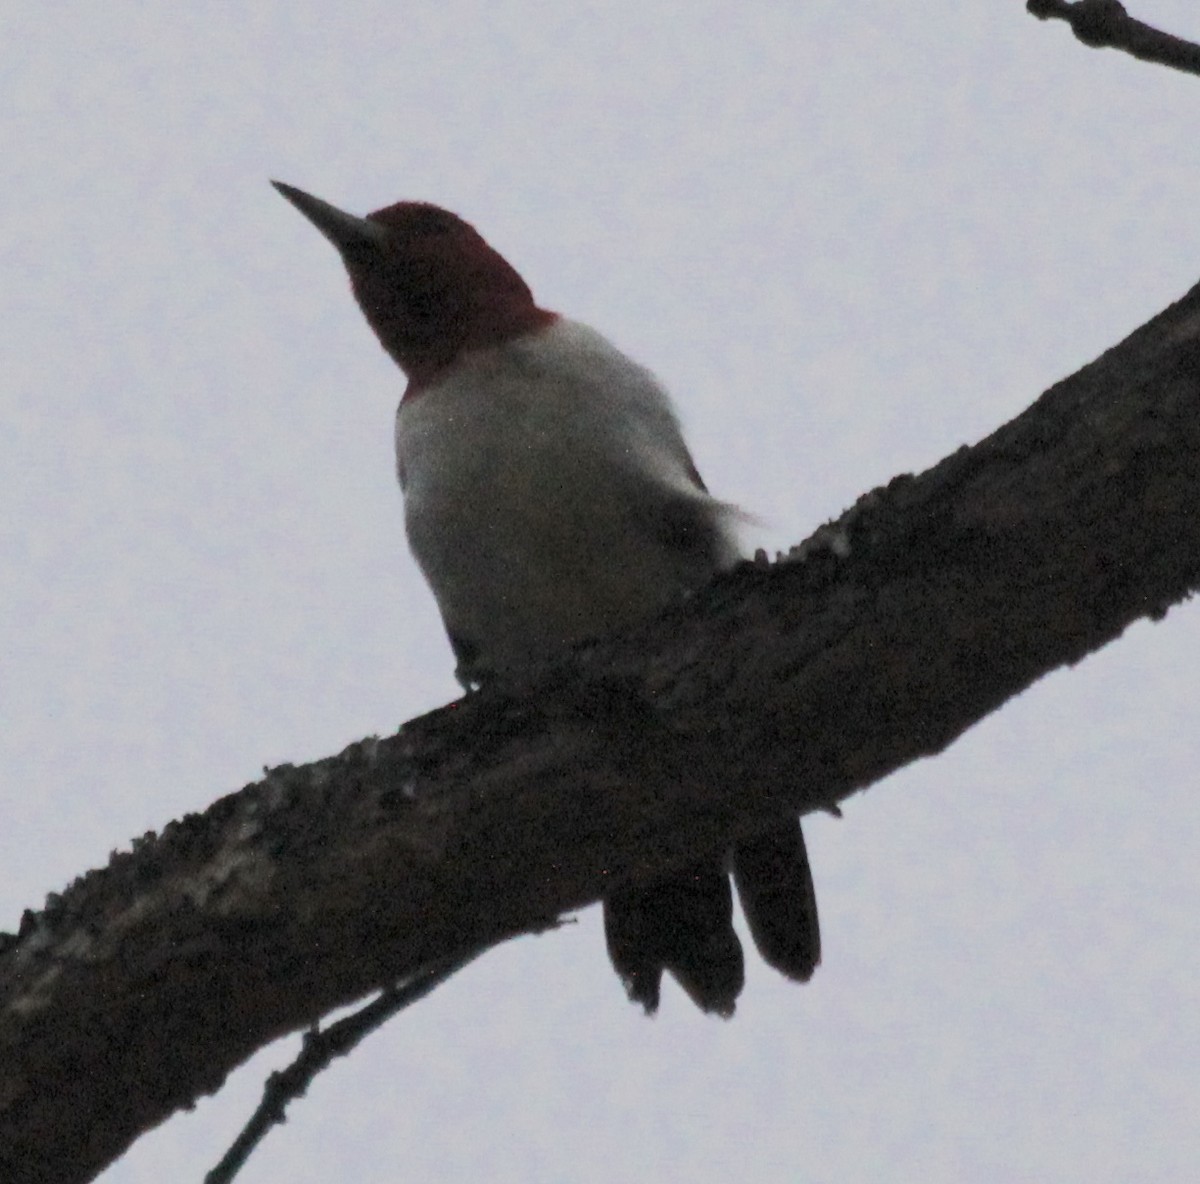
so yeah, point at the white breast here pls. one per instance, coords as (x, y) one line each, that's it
(549, 495)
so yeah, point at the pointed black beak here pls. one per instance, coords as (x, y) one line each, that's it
(349, 233)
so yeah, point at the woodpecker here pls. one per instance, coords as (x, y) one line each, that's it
(550, 498)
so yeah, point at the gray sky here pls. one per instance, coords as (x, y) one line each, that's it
(850, 238)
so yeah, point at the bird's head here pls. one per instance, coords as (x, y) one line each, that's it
(427, 282)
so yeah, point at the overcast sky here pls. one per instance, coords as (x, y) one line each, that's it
(850, 237)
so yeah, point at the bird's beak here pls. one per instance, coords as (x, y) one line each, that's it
(350, 234)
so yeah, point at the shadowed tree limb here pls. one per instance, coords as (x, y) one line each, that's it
(1104, 24)
(789, 685)
(320, 1047)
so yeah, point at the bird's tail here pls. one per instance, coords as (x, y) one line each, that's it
(684, 922)
(775, 886)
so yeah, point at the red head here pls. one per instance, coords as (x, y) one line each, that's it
(428, 284)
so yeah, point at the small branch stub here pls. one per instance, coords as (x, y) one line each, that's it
(1104, 24)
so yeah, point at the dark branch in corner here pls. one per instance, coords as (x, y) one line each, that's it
(318, 1051)
(782, 686)
(1104, 24)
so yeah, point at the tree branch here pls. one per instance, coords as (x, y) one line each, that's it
(320, 1046)
(1104, 24)
(790, 685)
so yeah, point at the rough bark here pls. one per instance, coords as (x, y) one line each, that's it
(893, 630)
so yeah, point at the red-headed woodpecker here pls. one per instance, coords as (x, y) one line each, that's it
(550, 498)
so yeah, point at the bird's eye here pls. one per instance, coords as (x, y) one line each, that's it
(359, 253)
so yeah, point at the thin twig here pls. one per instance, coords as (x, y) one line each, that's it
(1104, 24)
(320, 1047)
